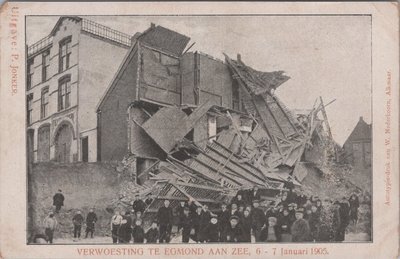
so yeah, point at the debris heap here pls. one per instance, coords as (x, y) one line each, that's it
(266, 146)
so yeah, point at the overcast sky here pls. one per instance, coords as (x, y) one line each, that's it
(328, 56)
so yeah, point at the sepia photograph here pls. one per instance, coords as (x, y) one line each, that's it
(199, 129)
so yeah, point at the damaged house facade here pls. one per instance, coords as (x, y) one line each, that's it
(199, 128)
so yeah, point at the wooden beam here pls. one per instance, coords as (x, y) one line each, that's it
(200, 186)
(215, 171)
(237, 164)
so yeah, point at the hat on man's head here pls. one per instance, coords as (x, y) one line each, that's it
(256, 201)
(300, 210)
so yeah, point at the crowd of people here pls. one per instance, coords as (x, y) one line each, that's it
(291, 217)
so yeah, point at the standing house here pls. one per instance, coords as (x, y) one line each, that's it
(67, 73)
(358, 145)
(156, 73)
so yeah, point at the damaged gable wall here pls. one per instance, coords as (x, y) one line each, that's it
(206, 77)
(159, 77)
(215, 82)
(112, 123)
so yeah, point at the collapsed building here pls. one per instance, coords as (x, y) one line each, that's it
(192, 127)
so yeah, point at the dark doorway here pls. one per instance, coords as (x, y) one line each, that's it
(63, 144)
(85, 149)
(43, 150)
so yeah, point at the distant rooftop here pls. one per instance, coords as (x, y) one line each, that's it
(87, 26)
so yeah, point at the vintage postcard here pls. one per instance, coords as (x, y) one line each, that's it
(199, 130)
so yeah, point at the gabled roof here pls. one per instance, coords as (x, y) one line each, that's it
(165, 39)
(362, 131)
(59, 22)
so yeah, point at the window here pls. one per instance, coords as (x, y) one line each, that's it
(235, 96)
(212, 128)
(44, 108)
(29, 71)
(29, 100)
(45, 65)
(65, 53)
(64, 93)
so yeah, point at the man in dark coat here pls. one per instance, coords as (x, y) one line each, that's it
(258, 220)
(223, 221)
(212, 230)
(354, 205)
(77, 220)
(58, 200)
(195, 221)
(179, 212)
(285, 222)
(246, 224)
(186, 225)
(336, 222)
(128, 227)
(344, 212)
(165, 217)
(314, 222)
(205, 218)
(91, 219)
(138, 232)
(124, 229)
(234, 233)
(138, 204)
(152, 234)
(300, 229)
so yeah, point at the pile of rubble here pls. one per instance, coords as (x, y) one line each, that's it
(267, 146)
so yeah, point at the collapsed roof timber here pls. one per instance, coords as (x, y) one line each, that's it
(200, 128)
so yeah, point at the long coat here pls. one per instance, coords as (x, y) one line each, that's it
(58, 199)
(301, 231)
(205, 218)
(246, 224)
(234, 234)
(164, 216)
(258, 218)
(138, 234)
(91, 218)
(211, 233)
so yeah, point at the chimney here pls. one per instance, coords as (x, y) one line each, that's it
(152, 25)
(135, 37)
(361, 118)
(239, 57)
